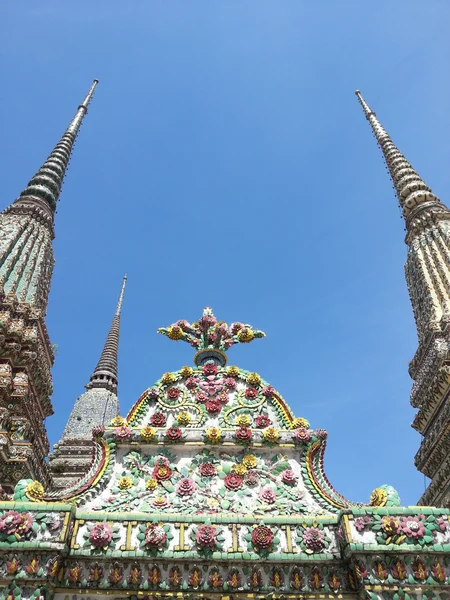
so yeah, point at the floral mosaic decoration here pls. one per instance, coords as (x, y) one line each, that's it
(99, 536)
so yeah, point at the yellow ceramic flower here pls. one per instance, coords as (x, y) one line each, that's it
(174, 332)
(151, 484)
(254, 379)
(148, 433)
(378, 497)
(168, 378)
(118, 422)
(35, 491)
(240, 469)
(299, 423)
(212, 502)
(183, 418)
(243, 420)
(214, 434)
(186, 372)
(125, 483)
(233, 371)
(250, 461)
(271, 434)
(245, 335)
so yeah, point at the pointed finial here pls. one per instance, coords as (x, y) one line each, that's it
(122, 292)
(411, 190)
(210, 337)
(106, 372)
(44, 188)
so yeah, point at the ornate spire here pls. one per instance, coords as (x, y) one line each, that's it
(212, 338)
(105, 374)
(411, 190)
(45, 187)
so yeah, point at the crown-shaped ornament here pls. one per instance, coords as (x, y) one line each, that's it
(211, 337)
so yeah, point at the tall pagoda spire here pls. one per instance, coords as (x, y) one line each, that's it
(427, 271)
(44, 187)
(105, 374)
(411, 189)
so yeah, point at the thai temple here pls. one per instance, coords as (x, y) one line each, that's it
(210, 487)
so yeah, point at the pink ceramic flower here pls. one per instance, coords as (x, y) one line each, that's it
(262, 537)
(233, 481)
(123, 433)
(251, 393)
(155, 535)
(174, 433)
(160, 502)
(230, 383)
(213, 407)
(153, 393)
(314, 538)
(101, 535)
(268, 391)
(206, 536)
(158, 420)
(267, 495)
(207, 470)
(209, 369)
(244, 434)
(201, 397)
(191, 382)
(302, 435)
(222, 397)
(262, 421)
(185, 487)
(413, 527)
(173, 393)
(288, 476)
(251, 479)
(13, 522)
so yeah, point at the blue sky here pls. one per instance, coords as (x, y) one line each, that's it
(225, 161)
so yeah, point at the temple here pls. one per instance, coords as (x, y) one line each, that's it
(210, 487)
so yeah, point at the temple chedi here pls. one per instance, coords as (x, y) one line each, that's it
(210, 487)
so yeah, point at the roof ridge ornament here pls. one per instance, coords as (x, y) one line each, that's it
(212, 338)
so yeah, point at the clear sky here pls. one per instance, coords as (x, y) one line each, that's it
(225, 161)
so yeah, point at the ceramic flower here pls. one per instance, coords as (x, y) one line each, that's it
(251, 478)
(151, 484)
(271, 435)
(173, 393)
(262, 537)
(183, 418)
(268, 391)
(214, 435)
(250, 461)
(230, 383)
(35, 490)
(153, 393)
(162, 472)
(101, 535)
(174, 332)
(186, 372)
(233, 481)
(155, 536)
(288, 476)
(158, 419)
(123, 433)
(413, 527)
(240, 469)
(243, 434)
(201, 397)
(299, 423)
(302, 435)
(192, 382)
(118, 422)
(160, 502)
(245, 335)
(390, 525)
(168, 378)
(222, 397)
(313, 538)
(233, 371)
(251, 393)
(209, 369)
(207, 470)
(267, 495)
(173, 433)
(362, 522)
(213, 407)
(243, 420)
(254, 379)
(148, 433)
(262, 421)
(15, 523)
(206, 536)
(185, 487)
(125, 483)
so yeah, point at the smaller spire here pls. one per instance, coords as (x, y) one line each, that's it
(411, 190)
(106, 373)
(45, 187)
